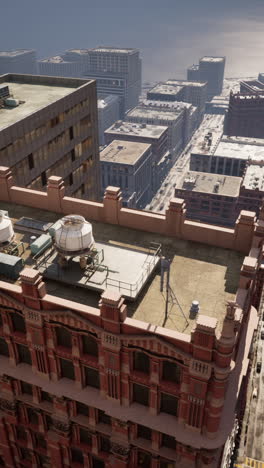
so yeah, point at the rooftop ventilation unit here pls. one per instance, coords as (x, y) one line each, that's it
(6, 229)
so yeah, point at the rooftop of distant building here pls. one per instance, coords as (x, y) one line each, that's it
(54, 59)
(164, 88)
(117, 50)
(104, 102)
(212, 59)
(195, 84)
(197, 272)
(254, 177)
(15, 53)
(193, 67)
(34, 93)
(78, 51)
(204, 182)
(124, 152)
(144, 130)
(154, 112)
(174, 106)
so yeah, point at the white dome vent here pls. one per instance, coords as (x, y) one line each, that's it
(6, 229)
(74, 236)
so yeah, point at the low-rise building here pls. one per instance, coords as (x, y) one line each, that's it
(210, 198)
(156, 135)
(60, 66)
(108, 113)
(128, 164)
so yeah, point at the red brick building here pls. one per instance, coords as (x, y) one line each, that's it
(83, 386)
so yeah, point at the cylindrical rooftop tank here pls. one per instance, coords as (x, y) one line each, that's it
(6, 229)
(73, 236)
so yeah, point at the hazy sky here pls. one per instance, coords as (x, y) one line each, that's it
(171, 34)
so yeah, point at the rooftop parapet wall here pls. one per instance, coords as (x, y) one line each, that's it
(173, 223)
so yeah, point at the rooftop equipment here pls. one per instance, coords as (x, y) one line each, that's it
(10, 265)
(6, 229)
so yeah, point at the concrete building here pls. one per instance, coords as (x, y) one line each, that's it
(193, 73)
(226, 155)
(126, 384)
(178, 117)
(50, 127)
(128, 164)
(108, 113)
(210, 198)
(211, 70)
(18, 61)
(245, 116)
(61, 66)
(117, 71)
(156, 135)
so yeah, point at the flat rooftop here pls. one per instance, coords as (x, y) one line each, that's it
(198, 272)
(204, 182)
(195, 84)
(35, 96)
(117, 50)
(173, 106)
(212, 59)
(231, 147)
(124, 152)
(154, 113)
(143, 130)
(254, 178)
(54, 59)
(201, 146)
(15, 53)
(167, 89)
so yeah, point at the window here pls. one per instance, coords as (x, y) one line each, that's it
(70, 179)
(71, 133)
(26, 388)
(63, 337)
(105, 444)
(82, 409)
(97, 463)
(166, 463)
(82, 189)
(4, 351)
(77, 455)
(91, 377)
(141, 362)
(32, 416)
(48, 420)
(171, 371)
(43, 178)
(144, 432)
(67, 369)
(144, 459)
(24, 354)
(168, 441)
(89, 345)
(21, 433)
(40, 441)
(18, 322)
(168, 404)
(103, 418)
(31, 164)
(85, 437)
(141, 394)
(73, 157)
(43, 461)
(45, 396)
(25, 454)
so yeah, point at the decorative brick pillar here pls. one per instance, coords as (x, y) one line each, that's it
(55, 193)
(54, 450)
(244, 231)
(113, 311)
(33, 288)
(248, 272)
(112, 205)
(6, 182)
(175, 217)
(203, 337)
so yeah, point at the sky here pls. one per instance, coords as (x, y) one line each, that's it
(171, 34)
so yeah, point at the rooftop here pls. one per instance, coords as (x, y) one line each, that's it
(210, 183)
(54, 59)
(202, 147)
(78, 51)
(104, 102)
(117, 50)
(35, 94)
(164, 88)
(15, 53)
(212, 59)
(193, 67)
(174, 106)
(154, 112)
(124, 152)
(198, 272)
(195, 84)
(147, 131)
(254, 177)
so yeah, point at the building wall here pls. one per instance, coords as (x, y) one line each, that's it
(217, 164)
(244, 116)
(61, 139)
(213, 73)
(24, 63)
(63, 69)
(107, 115)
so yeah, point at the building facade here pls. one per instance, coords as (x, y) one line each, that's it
(156, 135)
(60, 66)
(129, 165)
(18, 61)
(108, 113)
(92, 387)
(212, 70)
(117, 71)
(245, 115)
(52, 130)
(193, 73)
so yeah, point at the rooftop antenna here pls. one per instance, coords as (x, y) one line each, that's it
(170, 298)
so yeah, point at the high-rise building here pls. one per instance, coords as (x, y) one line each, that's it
(49, 126)
(18, 61)
(117, 71)
(108, 113)
(193, 73)
(158, 382)
(212, 69)
(245, 116)
(61, 66)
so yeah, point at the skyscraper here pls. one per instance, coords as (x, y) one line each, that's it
(211, 69)
(18, 61)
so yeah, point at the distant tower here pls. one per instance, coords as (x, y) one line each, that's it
(211, 69)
